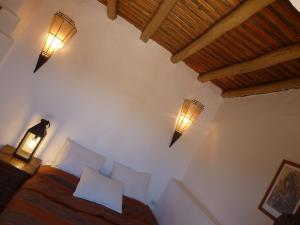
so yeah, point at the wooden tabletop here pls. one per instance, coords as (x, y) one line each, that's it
(6, 155)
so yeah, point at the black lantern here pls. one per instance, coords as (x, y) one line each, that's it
(31, 141)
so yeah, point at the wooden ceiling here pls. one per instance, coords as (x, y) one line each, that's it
(243, 46)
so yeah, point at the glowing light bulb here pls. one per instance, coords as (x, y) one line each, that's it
(183, 123)
(33, 142)
(186, 121)
(53, 43)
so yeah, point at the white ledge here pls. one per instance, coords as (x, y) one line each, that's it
(12, 5)
(178, 206)
(8, 21)
(5, 43)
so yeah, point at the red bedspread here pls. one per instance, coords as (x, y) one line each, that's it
(47, 199)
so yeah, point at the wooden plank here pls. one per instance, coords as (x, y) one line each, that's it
(6, 155)
(272, 58)
(237, 17)
(264, 89)
(156, 21)
(112, 9)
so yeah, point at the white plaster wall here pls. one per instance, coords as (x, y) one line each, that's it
(106, 89)
(239, 157)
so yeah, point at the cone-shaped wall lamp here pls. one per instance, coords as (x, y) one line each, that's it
(189, 112)
(61, 30)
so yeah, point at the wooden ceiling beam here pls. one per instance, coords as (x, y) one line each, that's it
(264, 89)
(235, 18)
(272, 58)
(159, 17)
(112, 9)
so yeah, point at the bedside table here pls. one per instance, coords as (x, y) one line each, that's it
(13, 173)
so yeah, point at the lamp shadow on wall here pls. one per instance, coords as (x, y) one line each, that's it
(53, 132)
(22, 128)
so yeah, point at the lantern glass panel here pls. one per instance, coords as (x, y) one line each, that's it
(28, 145)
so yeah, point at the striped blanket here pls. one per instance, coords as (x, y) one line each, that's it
(47, 199)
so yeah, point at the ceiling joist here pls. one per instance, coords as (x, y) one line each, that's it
(272, 58)
(235, 18)
(112, 9)
(264, 89)
(156, 21)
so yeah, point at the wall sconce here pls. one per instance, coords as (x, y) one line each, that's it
(189, 112)
(31, 141)
(61, 30)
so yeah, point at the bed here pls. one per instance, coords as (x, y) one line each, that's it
(47, 198)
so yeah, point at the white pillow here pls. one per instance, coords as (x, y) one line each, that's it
(135, 183)
(100, 189)
(74, 157)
